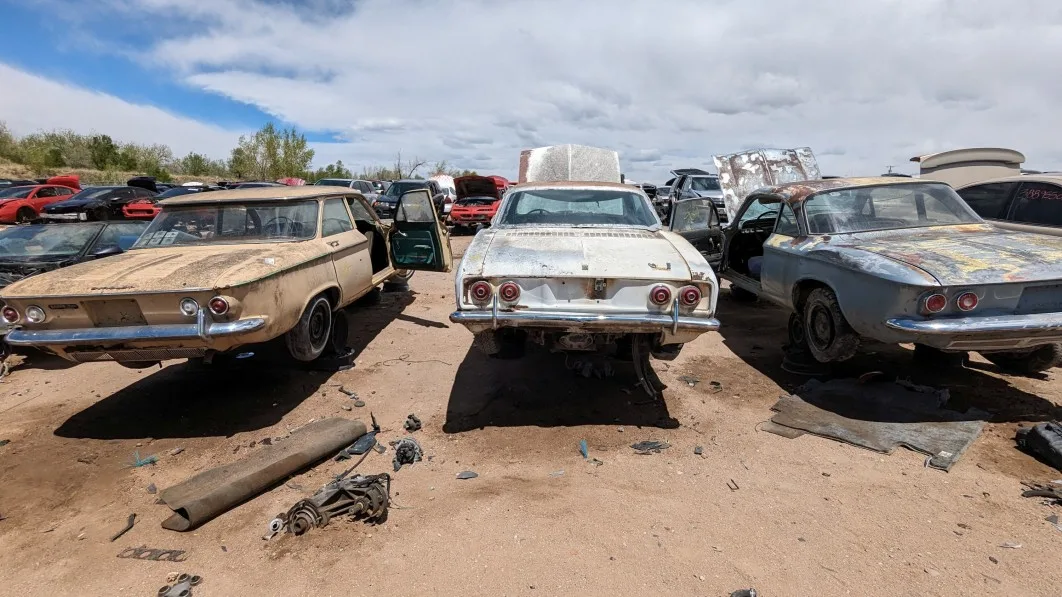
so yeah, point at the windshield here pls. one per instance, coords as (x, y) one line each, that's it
(16, 192)
(51, 240)
(398, 188)
(886, 207)
(333, 182)
(230, 223)
(177, 192)
(578, 207)
(92, 193)
(705, 183)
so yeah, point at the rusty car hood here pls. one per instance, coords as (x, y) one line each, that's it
(742, 173)
(966, 255)
(161, 269)
(575, 252)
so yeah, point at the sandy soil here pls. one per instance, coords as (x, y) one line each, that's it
(810, 517)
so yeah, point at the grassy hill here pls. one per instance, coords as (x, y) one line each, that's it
(9, 169)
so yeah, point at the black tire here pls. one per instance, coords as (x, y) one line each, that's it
(101, 214)
(934, 358)
(1028, 362)
(741, 295)
(138, 364)
(25, 215)
(309, 338)
(829, 337)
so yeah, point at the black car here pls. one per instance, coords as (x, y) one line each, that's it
(386, 202)
(28, 250)
(6, 183)
(95, 204)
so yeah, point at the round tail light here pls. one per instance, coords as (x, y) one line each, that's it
(189, 307)
(35, 314)
(218, 305)
(509, 292)
(966, 301)
(935, 303)
(660, 295)
(690, 296)
(481, 292)
(10, 314)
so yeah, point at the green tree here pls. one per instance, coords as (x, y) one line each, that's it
(336, 170)
(195, 164)
(128, 157)
(9, 146)
(103, 152)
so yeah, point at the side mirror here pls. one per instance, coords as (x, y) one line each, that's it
(108, 251)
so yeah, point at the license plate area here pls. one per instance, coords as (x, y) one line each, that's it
(114, 313)
(1040, 299)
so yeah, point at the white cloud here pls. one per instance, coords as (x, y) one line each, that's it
(668, 83)
(31, 103)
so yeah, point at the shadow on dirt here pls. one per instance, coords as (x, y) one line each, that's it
(756, 332)
(190, 400)
(540, 390)
(31, 358)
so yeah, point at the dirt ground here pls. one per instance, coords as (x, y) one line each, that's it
(810, 516)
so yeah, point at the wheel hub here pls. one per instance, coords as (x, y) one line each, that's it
(821, 332)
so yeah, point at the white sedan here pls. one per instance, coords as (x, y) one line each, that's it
(588, 267)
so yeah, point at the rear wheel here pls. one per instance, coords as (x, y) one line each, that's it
(1038, 360)
(25, 215)
(829, 337)
(309, 338)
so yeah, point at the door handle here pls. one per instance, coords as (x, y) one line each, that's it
(333, 243)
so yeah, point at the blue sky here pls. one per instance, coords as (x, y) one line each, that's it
(667, 83)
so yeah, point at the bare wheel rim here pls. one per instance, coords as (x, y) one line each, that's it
(320, 324)
(821, 332)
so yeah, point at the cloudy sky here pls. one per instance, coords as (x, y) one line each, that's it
(667, 83)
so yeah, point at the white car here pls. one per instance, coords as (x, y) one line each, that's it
(583, 266)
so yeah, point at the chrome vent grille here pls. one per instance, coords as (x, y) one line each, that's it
(160, 354)
(584, 234)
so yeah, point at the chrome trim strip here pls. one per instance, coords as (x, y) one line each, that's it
(203, 330)
(986, 324)
(650, 322)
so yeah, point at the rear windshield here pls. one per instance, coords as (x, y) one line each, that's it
(886, 207)
(705, 183)
(578, 207)
(333, 182)
(229, 223)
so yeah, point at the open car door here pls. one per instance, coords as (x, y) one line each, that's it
(697, 221)
(419, 240)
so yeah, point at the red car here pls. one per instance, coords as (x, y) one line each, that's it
(477, 200)
(141, 209)
(22, 205)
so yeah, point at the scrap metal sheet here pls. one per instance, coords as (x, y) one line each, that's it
(569, 162)
(742, 173)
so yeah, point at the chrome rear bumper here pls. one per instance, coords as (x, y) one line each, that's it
(202, 329)
(989, 332)
(604, 322)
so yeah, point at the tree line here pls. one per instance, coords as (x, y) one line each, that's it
(271, 153)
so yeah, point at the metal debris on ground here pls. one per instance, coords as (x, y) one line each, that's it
(139, 462)
(363, 444)
(732, 485)
(359, 403)
(128, 525)
(650, 447)
(4, 442)
(557, 474)
(745, 593)
(353, 395)
(182, 586)
(698, 450)
(152, 489)
(1044, 441)
(412, 423)
(1053, 519)
(467, 475)
(689, 380)
(361, 497)
(1041, 490)
(584, 449)
(177, 451)
(153, 555)
(380, 448)
(1011, 546)
(596, 462)
(407, 451)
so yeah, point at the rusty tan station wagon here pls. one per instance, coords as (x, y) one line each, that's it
(217, 271)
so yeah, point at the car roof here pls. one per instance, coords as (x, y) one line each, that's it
(278, 193)
(574, 184)
(1045, 177)
(797, 192)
